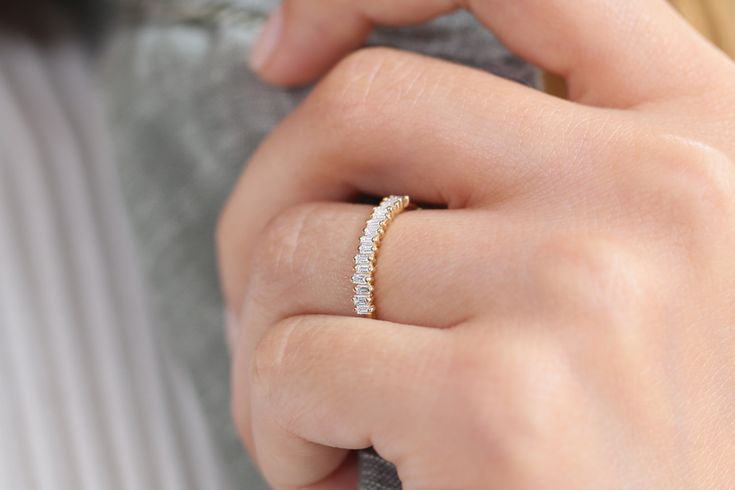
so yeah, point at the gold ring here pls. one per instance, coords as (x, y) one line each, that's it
(365, 261)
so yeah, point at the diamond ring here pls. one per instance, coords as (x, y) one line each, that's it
(365, 260)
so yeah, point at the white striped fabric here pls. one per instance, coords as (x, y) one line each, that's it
(87, 399)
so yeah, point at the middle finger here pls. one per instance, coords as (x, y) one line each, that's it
(387, 122)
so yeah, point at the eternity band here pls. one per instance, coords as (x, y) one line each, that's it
(369, 244)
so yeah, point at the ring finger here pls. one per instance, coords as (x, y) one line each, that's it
(304, 261)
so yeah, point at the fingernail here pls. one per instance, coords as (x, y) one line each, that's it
(267, 40)
(232, 328)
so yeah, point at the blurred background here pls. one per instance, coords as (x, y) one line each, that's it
(123, 126)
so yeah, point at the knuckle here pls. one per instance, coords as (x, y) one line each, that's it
(272, 355)
(695, 182)
(594, 280)
(361, 64)
(282, 251)
(364, 87)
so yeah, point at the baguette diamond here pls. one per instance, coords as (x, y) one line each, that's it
(360, 279)
(368, 245)
(364, 310)
(359, 300)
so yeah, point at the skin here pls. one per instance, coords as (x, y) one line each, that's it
(568, 321)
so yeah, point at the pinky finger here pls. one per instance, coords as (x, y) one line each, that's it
(324, 385)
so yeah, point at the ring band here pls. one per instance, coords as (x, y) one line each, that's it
(369, 244)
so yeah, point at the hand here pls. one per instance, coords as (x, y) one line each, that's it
(566, 322)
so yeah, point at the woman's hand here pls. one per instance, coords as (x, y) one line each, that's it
(567, 322)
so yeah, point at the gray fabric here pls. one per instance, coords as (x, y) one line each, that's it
(88, 401)
(377, 473)
(187, 114)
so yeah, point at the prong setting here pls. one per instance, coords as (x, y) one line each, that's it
(368, 245)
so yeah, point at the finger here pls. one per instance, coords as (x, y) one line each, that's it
(612, 52)
(285, 53)
(305, 259)
(476, 139)
(324, 382)
(344, 475)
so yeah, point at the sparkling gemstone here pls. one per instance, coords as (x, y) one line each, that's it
(366, 248)
(363, 259)
(363, 290)
(361, 300)
(370, 233)
(363, 268)
(360, 279)
(377, 222)
(364, 310)
(366, 239)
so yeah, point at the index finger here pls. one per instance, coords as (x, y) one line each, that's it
(614, 53)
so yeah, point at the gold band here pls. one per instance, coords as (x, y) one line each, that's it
(365, 261)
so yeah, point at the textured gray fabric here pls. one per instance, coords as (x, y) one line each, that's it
(88, 401)
(377, 473)
(186, 114)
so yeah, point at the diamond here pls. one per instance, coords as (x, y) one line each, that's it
(360, 279)
(363, 268)
(368, 246)
(361, 300)
(364, 310)
(370, 234)
(372, 223)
